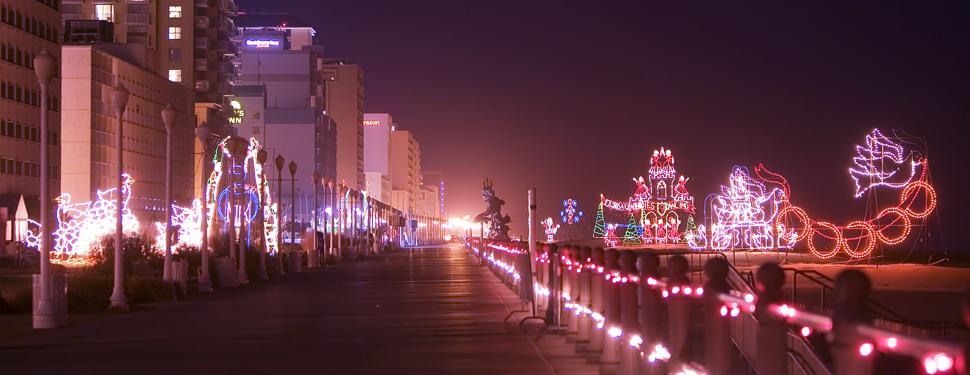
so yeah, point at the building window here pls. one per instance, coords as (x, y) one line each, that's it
(174, 11)
(174, 33)
(174, 54)
(104, 12)
(175, 75)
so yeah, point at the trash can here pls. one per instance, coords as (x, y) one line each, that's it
(227, 272)
(295, 261)
(58, 293)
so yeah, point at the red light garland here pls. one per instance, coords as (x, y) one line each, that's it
(874, 230)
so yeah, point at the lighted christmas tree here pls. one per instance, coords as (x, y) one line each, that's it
(691, 226)
(632, 235)
(599, 228)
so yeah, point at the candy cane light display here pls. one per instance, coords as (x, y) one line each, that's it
(881, 162)
(81, 226)
(654, 211)
(570, 214)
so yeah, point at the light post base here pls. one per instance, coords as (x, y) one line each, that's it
(228, 277)
(118, 305)
(205, 284)
(243, 277)
(313, 259)
(261, 273)
(44, 317)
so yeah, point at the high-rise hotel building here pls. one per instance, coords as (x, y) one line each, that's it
(27, 27)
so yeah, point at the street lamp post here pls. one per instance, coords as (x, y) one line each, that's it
(44, 316)
(279, 160)
(333, 202)
(204, 135)
(325, 183)
(292, 167)
(312, 261)
(168, 117)
(119, 100)
(341, 217)
(261, 156)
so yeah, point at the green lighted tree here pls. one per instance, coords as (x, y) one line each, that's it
(691, 225)
(632, 235)
(599, 228)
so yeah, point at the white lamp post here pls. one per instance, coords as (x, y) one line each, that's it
(44, 316)
(205, 135)
(168, 117)
(312, 256)
(261, 274)
(119, 100)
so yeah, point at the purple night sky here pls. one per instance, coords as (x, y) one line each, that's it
(572, 97)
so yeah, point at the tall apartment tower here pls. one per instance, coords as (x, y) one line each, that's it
(191, 41)
(287, 115)
(28, 27)
(405, 170)
(89, 75)
(345, 104)
(436, 178)
(377, 157)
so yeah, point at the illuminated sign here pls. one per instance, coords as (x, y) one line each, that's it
(372, 122)
(262, 43)
(237, 113)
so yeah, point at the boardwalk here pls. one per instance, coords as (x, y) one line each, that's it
(421, 311)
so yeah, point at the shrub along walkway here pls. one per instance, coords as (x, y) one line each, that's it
(427, 311)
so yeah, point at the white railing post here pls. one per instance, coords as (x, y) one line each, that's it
(584, 277)
(552, 310)
(716, 327)
(772, 335)
(571, 288)
(611, 347)
(650, 313)
(629, 314)
(851, 293)
(597, 300)
(678, 309)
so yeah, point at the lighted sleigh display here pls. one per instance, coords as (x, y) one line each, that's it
(756, 212)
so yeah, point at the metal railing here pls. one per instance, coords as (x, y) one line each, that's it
(614, 303)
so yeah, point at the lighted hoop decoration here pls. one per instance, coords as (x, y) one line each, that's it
(81, 226)
(880, 163)
(654, 210)
(248, 178)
